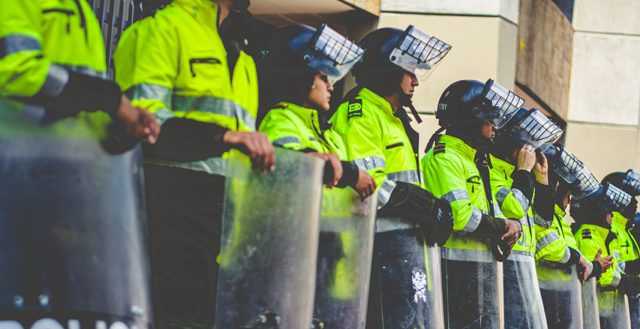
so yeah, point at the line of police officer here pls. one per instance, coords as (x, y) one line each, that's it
(492, 190)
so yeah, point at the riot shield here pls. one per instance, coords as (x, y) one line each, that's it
(472, 284)
(614, 310)
(71, 227)
(561, 295)
(590, 311)
(634, 311)
(269, 243)
(522, 294)
(406, 291)
(344, 259)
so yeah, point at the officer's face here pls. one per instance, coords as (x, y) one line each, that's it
(488, 131)
(409, 83)
(320, 93)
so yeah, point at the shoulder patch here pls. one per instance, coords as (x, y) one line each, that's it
(355, 108)
(586, 234)
(439, 148)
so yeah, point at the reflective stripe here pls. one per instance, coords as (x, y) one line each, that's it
(163, 115)
(55, 82)
(524, 202)
(616, 278)
(384, 192)
(215, 105)
(497, 212)
(286, 140)
(386, 224)
(538, 220)
(408, 176)
(14, 43)
(214, 165)
(502, 194)
(521, 256)
(456, 195)
(566, 257)
(149, 91)
(86, 71)
(468, 255)
(370, 163)
(547, 240)
(474, 221)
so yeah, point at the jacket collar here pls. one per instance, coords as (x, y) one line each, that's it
(376, 100)
(457, 144)
(205, 10)
(312, 116)
(500, 164)
(617, 219)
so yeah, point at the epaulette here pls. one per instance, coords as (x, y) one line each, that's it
(439, 148)
(354, 109)
(586, 233)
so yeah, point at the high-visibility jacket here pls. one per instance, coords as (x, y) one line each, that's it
(298, 128)
(624, 243)
(591, 238)
(174, 64)
(553, 241)
(376, 140)
(513, 204)
(40, 42)
(451, 174)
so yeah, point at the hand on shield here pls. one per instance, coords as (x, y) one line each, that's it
(606, 262)
(137, 123)
(541, 169)
(332, 169)
(526, 158)
(443, 221)
(514, 230)
(256, 145)
(366, 185)
(584, 269)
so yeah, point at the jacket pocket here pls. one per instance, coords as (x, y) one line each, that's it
(196, 63)
(49, 14)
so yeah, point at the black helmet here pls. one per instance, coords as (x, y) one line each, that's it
(628, 182)
(297, 52)
(390, 51)
(471, 101)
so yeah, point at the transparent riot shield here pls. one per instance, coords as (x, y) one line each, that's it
(522, 293)
(634, 311)
(344, 259)
(72, 223)
(561, 295)
(472, 284)
(590, 311)
(406, 291)
(269, 243)
(614, 310)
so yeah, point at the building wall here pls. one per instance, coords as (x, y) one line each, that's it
(604, 104)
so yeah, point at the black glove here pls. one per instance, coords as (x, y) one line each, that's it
(437, 226)
(493, 229)
(630, 284)
(597, 270)
(117, 140)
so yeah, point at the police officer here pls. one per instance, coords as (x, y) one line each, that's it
(622, 223)
(39, 71)
(456, 169)
(593, 220)
(514, 192)
(379, 139)
(187, 66)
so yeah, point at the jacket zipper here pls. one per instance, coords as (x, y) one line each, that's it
(66, 12)
(194, 61)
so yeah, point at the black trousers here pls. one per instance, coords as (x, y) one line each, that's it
(185, 211)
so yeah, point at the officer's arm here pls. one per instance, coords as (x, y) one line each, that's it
(544, 202)
(446, 179)
(146, 66)
(281, 131)
(551, 247)
(28, 75)
(514, 200)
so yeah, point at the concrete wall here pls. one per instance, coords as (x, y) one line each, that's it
(507, 9)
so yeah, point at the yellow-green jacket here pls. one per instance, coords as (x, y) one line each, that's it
(451, 174)
(513, 204)
(174, 64)
(624, 243)
(591, 238)
(553, 241)
(376, 140)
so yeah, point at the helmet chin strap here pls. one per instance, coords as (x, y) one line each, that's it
(405, 101)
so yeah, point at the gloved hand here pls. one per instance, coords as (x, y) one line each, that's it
(438, 224)
(630, 284)
(493, 229)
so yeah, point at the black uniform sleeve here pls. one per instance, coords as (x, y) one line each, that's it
(82, 93)
(574, 258)
(632, 267)
(597, 270)
(350, 174)
(523, 181)
(189, 140)
(409, 201)
(544, 202)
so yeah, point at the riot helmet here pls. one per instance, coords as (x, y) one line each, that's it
(585, 184)
(389, 52)
(606, 199)
(297, 52)
(628, 182)
(562, 163)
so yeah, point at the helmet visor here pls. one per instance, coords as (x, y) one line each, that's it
(584, 185)
(631, 182)
(535, 129)
(563, 163)
(332, 54)
(614, 199)
(498, 105)
(418, 52)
